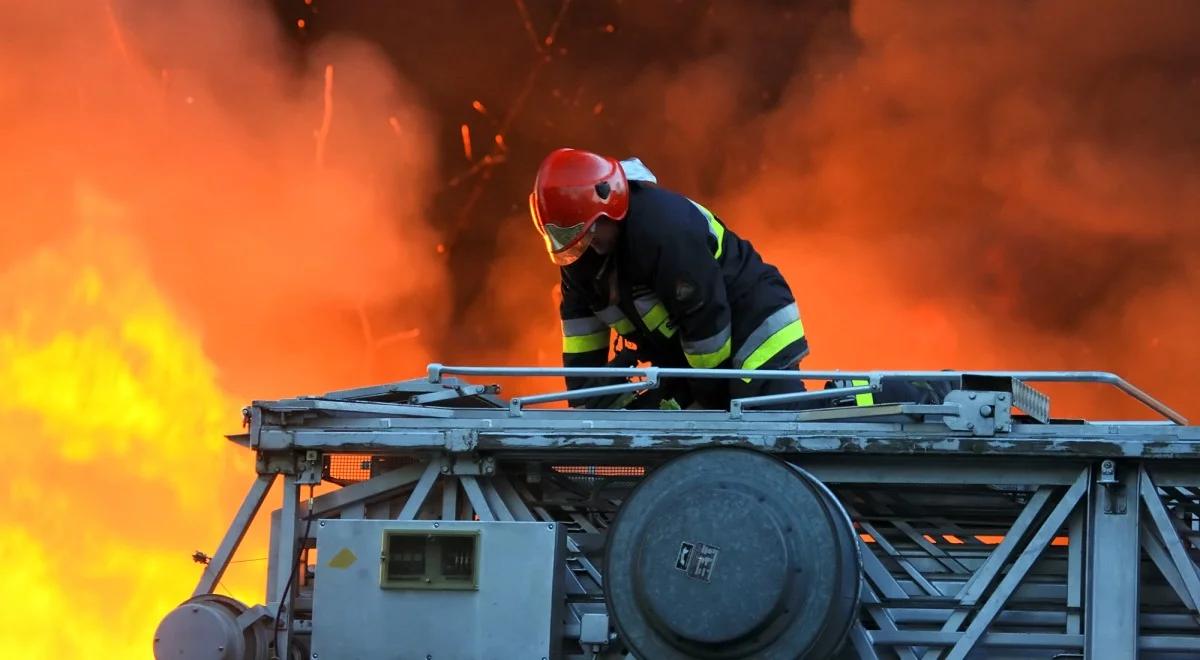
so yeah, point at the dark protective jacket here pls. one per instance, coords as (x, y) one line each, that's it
(682, 288)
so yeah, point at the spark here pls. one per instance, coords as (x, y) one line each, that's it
(300, 23)
(610, 28)
(598, 108)
(528, 23)
(479, 107)
(322, 134)
(115, 28)
(466, 140)
(562, 11)
(395, 124)
(500, 143)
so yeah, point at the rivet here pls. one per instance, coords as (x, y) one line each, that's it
(437, 524)
(550, 526)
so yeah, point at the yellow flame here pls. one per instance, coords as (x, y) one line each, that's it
(110, 422)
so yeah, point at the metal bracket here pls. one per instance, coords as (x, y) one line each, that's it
(593, 628)
(460, 441)
(279, 462)
(310, 468)
(1114, 490)
(981, 413)
(473, 466)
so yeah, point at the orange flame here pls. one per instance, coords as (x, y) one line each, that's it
(170, 251)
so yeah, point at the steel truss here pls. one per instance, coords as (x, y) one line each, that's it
(985, 533)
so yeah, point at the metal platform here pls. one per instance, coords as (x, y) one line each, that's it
(987, 528)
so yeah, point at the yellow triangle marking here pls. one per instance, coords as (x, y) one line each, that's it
(343, 559)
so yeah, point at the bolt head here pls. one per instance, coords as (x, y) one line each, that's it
(971, 395)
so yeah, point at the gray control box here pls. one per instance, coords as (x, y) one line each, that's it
(447, 590)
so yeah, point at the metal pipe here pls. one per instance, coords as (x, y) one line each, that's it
(437, 371)
(737, 405)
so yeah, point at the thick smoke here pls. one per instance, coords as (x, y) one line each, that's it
(966, 184)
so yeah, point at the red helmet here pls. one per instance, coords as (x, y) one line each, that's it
(572, 190)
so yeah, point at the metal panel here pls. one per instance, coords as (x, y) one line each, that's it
(515, 613)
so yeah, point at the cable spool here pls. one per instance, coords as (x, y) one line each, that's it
(731, 553)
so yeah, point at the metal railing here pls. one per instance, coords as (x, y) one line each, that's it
(651, 378)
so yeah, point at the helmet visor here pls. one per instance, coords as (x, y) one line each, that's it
(564, 244)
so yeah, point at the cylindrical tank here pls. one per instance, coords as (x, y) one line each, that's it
(732, 553)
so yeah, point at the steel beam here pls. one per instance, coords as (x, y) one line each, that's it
(1041, 539)
(981, 581)
(286, 561)
(477, 498)
(233, 536)
(1113, 563)
(430, 474)
(1161, 520)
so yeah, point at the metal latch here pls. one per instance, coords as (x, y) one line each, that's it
(1114, 490)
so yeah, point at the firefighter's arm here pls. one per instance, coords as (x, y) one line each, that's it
(585, 338)
(689, 282)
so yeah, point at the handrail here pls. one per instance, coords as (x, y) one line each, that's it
(654, 375)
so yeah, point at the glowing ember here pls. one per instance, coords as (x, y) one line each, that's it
(466, 141)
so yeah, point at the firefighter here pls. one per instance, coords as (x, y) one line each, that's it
(666, 274)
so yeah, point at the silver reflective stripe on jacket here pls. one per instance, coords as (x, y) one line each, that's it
(773, 323)
(584, 326)
(708, 345)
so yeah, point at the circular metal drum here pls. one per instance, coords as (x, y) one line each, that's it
(732, 553)
(208, 627)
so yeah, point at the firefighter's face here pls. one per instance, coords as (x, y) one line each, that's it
(604, 235)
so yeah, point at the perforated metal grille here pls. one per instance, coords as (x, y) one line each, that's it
(602, 470)
(348, 468)
(352, 468)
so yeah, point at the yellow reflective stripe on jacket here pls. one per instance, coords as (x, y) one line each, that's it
(778, 330)
(714, 227)
(709, 352)
(789, 333)
(867, 399)
(654, 314)
(584, 334)
(586, 343)
(709, 360)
